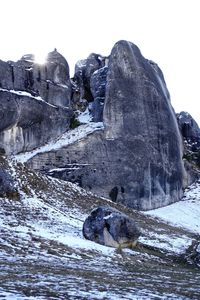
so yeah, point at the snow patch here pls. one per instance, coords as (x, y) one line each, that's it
(165, 242)
(23, 93)
(85, 117)
(65, 139)
(185, 213)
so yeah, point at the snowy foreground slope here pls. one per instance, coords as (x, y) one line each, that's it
(185, 213)
(43, 254)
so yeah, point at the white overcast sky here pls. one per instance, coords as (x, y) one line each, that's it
(166, 31)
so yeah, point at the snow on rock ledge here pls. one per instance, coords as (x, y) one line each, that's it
(65, 139)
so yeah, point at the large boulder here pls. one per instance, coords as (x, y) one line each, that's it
(108, 226)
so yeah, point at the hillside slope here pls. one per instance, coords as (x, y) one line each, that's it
(44, 255)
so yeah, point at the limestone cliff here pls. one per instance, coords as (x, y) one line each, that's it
(137, 159)
(34, 102)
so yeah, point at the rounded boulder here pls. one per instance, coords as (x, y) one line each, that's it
(108, 226)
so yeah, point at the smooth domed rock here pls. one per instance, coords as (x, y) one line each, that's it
(108, 226)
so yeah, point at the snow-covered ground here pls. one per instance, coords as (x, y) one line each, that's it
(41, 240)
(185, 213)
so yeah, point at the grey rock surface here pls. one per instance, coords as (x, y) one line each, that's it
(188, 127)
(98, 89)
(27, 123)
(108, 226)
(35, 101)
(191, 137)
(50, 80)
(137, 159)
(82, 77)
(7, 185)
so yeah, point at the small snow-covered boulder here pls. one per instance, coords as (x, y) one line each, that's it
(108, 226)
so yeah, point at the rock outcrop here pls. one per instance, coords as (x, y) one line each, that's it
(189, 128)
(8, 187)
(34, 102)
(108, 226)
(137, 159)
(191, 138)
(98, 88)
(50, 80)
(84, 69)
(27, 123)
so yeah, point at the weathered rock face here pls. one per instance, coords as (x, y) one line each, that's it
(137, 159)
(108, 226)
(84, 69)
(189, 128)
(191, 137)
(50, 81)
(139, 119)
(7, 185)
(98, 89)
(34, 102)
(27, 123)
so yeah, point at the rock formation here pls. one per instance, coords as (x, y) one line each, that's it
(108, 226)
(83, 72)
(189, 128)
(191, 138)
(98, 89)
(7, 184)
(34, 102)
(137, 159)
(50, 80)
